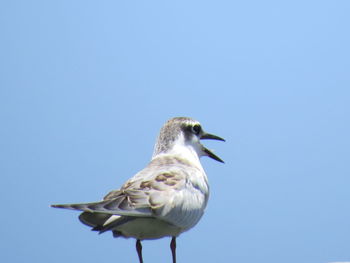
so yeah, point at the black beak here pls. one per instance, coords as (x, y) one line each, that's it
(207, 136)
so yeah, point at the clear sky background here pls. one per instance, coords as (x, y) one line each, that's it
(86, 85)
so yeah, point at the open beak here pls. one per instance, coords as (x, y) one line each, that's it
(207, 136)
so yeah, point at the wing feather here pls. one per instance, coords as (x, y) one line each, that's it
(145, 194)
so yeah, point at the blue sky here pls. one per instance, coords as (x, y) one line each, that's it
(86, 85)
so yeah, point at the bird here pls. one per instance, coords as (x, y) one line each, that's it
(166, 198)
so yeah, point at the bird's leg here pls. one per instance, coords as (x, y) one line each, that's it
(173, 248)
(139, 250)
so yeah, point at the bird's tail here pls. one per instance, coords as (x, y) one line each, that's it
(102, 207)
(115, 206)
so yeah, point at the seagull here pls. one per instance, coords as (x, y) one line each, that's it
(166, 198)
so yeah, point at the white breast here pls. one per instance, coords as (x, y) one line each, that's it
(188, 205)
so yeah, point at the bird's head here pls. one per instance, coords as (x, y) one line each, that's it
(184, 132)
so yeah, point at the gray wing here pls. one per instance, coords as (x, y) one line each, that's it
(145, 194)
(102, 216)
(123, 203)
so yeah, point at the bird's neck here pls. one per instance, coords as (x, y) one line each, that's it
(186, 152)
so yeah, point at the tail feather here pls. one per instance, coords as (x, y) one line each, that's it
(80, 207)
(101, 206)
(108, 214)
(93, 219)
(103, 222)
(107, 207)
(113, 224)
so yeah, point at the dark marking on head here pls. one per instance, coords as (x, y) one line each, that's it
(171, 130)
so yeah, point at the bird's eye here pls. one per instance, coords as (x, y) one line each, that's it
(196, 129)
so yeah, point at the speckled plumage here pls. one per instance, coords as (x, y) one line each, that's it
(166, 198)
